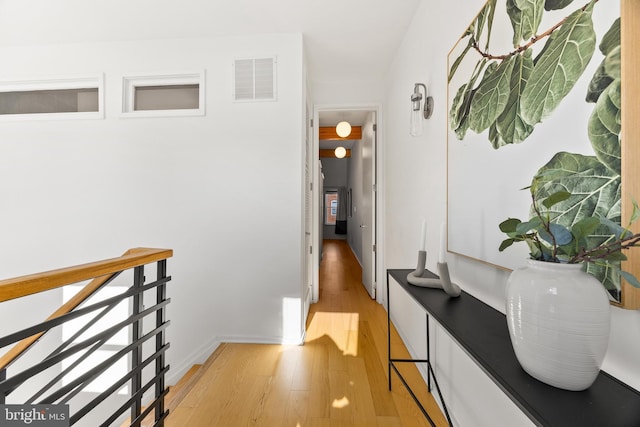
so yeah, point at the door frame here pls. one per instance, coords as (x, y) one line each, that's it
(380, 196)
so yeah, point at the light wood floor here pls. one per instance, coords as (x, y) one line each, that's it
(337, 378)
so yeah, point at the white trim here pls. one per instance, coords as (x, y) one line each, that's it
(57, 83)
(245, 339)
(180, 368)
(131, 81)
(200, 356)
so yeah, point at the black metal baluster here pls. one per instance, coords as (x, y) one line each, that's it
(136, 353)
(3, 376)
(161, 295)
(388, 334)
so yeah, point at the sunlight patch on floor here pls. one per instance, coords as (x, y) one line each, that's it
(342, 328)
(340, 403)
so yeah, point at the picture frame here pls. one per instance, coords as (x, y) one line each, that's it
(485, 179)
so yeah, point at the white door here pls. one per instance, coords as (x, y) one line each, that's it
(308, 219)
(368, 207)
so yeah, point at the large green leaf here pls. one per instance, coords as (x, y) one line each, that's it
(525, 16)
(604, 127)
(598, 83)
(461, 131)
(612, 63)
(485, 18)
(510, 124)
(459, 112)
(611, 39)
(609, 68)
(491, 98)
(492, 12)
(556, 4)
(456, 63)
(495, 138)
(569, 50)
(595, 188)
(595, 193)
(515, 16)
(608, 107)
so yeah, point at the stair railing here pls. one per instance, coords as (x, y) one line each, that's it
(60, 368)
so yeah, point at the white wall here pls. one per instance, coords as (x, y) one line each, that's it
(347, 93)
(224, 190)
(415, 170)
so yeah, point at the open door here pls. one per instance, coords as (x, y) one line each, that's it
(308, 217)
(369, 205)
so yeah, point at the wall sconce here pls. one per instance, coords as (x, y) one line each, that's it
(340, 152)
(418, 112)
(343, 129)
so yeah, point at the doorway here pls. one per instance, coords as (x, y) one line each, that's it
(358, 173)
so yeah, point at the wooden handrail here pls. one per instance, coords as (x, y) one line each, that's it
(40, 282)
(102, 271)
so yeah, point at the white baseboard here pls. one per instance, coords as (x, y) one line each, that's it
(354, 253)
(239, 339)
(198, 356)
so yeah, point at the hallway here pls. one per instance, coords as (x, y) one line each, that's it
(338, 378)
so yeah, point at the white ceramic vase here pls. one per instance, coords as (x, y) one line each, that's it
(559, 321)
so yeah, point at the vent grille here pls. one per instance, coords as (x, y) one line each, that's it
(255, 79)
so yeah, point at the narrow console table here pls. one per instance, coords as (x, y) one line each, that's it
(482, 333)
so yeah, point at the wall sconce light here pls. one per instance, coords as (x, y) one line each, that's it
(340, 152)
(418, 112)
(343, 129)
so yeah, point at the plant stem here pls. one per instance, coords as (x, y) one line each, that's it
(534, 39)
(546, 221)
(604, 250)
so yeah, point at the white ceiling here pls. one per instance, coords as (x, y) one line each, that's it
(345, 40)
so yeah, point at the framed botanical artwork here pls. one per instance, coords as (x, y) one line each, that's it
(542, 88)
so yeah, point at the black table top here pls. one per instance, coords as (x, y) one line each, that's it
(482, 332)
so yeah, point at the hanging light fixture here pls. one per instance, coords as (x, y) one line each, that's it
(340, 152)
(418, 112)
(343, 129)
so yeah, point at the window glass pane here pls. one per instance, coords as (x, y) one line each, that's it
(49, 101)
(169, 97)
(330, 208)
(164, 95)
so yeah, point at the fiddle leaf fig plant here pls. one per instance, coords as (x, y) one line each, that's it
(591, 240)
(505, 94)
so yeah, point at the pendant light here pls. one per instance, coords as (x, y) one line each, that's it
(343, 129)
(340, 152)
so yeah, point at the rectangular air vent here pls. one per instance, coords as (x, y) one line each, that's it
(254, 79)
